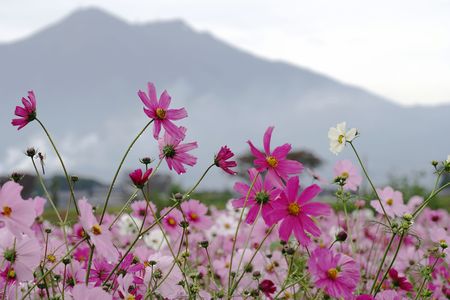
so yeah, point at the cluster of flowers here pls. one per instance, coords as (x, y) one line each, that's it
(273, 241)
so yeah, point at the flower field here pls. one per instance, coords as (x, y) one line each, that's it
(275, 240)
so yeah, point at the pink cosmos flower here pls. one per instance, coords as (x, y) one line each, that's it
(99, 235)
(161, 114)
(140, 179)
(392, 202)
(17, 214)
(139, 208)
(275, 161)
(222, 161)
(171, 221)
(296, 211)
(261, 196)
(175, 153)
(39, 204)
(336, 273)
(100, 271)
(23, 254)
(195, 213)
(27, 113)
(345, 169)
(83, 292)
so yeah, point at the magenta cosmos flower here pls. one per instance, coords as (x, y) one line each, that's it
(400, 281)
(139, 179)
(175, 152)
(17, 214)
(222, 161)
(99, 235)
(296, 211)
(345, 169)
(27, 113)
(261, 196)
(275, 161)
(336, 273)
(159, 111)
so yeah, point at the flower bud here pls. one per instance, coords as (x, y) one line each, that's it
(146, 160)
(16, 177)
(74, 178)
(66, 260)
(341, 236)
(31, 152)
(204, 244)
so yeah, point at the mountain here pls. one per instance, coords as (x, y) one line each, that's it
(87, 68)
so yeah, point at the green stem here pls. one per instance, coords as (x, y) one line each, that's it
(371, 184)
(120, 167)
(391, 264)
(237, 230)
(89, 266)
(132, 197)
(433, 194)
(72, 194)
(425, 279)
(382, 262)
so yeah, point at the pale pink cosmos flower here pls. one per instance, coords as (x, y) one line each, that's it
(440, 235)
(222, 160)
(159, 111)
(17, 214)
(83, 292)
(392, 202)
(27, 113)
(336, 273)
(296, 211)
(345, 169)
(195, 213)
(278, 166)
(139, 210)
(175, 152)
(260, 197)
(99, 235)
(170, 289)
(23, 254)
(39, 204)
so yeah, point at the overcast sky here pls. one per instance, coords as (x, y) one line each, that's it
(399, 49)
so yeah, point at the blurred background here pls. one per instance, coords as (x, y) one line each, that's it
(238, 67)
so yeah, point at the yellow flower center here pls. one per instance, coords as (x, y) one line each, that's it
(11, 273)
(345, 175)
(131, 297)
(227, 226)
(160, 113)
(96, 229)
(171, 221)
(193, 216)
(272, 161)
(341, 139)
(294, 209)
(332, 273)
(390, 201)
(6, 211)
(51, 258)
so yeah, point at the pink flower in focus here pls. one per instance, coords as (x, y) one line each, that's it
(99, 235)
(175, 153)
(100, 271)
(17, 214)
(161, 114)
(345, 169)
(336, 273)
(27, 113)
(138, 178)
(195, 213)
(261, 196)
(296, 211)
(23, 254)
(222, 161)
(392, 202)
(275, 161)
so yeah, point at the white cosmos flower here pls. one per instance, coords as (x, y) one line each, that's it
(339, 136)
(154, 239)
(128, 225)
